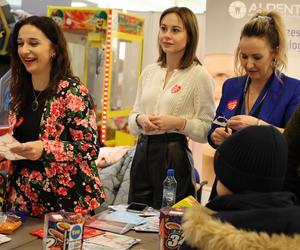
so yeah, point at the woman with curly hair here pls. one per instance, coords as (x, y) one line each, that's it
(52, 116)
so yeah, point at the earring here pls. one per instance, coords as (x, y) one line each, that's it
(274, 63)
(53, 55)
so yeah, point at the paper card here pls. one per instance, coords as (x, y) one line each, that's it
(112, 226)
(110, 241)
(152, 225)
(4, 238)
(123, 208)
(6, 143)
(121, 216)
(87, 232)
(91, 232)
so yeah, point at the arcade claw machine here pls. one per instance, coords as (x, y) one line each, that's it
(106, 53)
(7, 22)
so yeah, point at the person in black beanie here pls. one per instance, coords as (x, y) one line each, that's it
(250, 208)
(253, 160)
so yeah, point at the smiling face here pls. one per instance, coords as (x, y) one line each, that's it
(172, 35)
(256, 58)
(35, 50)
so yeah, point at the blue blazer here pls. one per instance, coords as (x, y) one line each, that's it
(279, 104)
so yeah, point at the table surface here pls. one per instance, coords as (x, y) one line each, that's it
(23, 240)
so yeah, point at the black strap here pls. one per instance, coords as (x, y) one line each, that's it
(242, 99)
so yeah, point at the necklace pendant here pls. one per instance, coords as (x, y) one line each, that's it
(35, 105)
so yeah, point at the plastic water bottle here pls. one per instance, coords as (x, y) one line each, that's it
(169, 189)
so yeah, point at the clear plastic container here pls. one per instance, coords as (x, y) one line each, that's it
(169, 189)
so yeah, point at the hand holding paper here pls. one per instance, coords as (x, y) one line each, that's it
(31, 150)
(6, 143)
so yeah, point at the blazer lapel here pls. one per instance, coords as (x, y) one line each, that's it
(236, 97)
(271, 100)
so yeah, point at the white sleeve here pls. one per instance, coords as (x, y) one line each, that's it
(204, 107)
(133, 127)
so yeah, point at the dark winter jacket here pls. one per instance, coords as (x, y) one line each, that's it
(247, 221)
(292, 135)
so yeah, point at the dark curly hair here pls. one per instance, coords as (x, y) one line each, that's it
(60, 68)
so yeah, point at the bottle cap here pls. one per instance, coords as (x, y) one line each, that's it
(170, 172)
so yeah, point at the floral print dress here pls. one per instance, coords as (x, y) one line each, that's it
(69, 178)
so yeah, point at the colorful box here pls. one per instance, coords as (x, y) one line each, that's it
(170, 231)
(186, 202)
(63, 230)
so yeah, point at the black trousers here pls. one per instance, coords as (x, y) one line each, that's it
(153, 156)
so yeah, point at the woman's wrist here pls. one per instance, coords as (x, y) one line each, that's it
(182, 124)
(137, 122)
(258, 122)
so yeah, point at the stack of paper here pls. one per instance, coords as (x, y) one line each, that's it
(4, 238)
(109, 241)
(115, 221)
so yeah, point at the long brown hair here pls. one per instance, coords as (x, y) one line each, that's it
(191, 25)
(21, 83)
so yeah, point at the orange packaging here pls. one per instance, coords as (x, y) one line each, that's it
(170, 231)
(9, 223)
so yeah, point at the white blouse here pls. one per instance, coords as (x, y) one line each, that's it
(188, 94)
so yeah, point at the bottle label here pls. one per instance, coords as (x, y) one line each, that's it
(168, 198)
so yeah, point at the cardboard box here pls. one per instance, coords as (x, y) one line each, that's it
(63, 230)
(170, 231)
(186, 202)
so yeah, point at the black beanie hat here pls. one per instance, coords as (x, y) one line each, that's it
(252, 159)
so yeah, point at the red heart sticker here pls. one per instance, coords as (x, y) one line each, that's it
(232, 104)
(175, 89)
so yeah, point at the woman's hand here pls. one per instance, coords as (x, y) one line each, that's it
(168, 122)
(145, 122)
(239, 122)
(2, 157)
(30, 150)
(220, 134)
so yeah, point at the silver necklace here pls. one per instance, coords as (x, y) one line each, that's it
(35, 103)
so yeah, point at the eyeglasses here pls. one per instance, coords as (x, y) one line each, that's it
(221, 121)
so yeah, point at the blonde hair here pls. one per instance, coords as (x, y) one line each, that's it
(268, 25)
